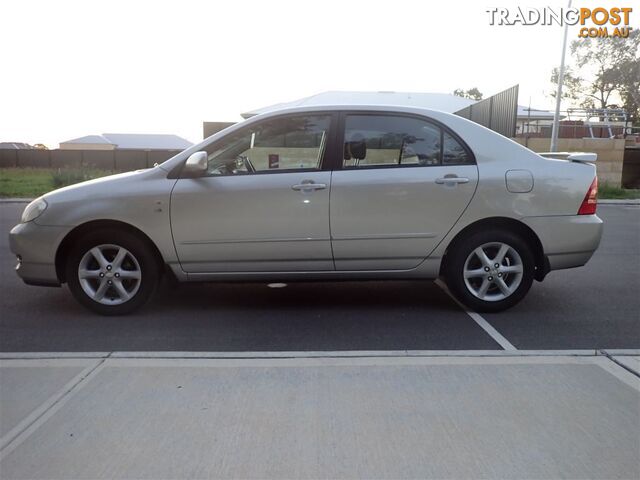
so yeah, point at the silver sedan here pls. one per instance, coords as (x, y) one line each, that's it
(322, 193)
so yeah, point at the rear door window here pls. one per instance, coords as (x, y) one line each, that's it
(372, 141)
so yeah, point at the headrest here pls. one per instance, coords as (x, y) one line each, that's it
(355, 148)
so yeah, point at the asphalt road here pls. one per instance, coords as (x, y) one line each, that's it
(596, 306)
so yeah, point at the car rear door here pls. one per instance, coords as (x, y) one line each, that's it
(403, 183)
(263, 205)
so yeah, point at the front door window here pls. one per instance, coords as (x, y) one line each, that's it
(295, 143)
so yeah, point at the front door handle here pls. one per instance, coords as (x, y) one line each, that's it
(308, 185)
(451, 180)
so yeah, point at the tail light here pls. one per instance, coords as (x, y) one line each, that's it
(590, 202)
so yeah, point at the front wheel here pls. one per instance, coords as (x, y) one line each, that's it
(490, 271)
(112, 273)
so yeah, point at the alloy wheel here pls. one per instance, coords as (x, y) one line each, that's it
(109, 274)
(493, 271)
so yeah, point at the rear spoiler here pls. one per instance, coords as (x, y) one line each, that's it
(572, 156)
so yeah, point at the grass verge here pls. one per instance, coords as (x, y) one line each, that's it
(609, 192)
(33, 182)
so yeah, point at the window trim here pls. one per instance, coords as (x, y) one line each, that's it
(325, 164)
(339, 161)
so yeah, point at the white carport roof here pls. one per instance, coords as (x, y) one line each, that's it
(535, 114)
(436, 101)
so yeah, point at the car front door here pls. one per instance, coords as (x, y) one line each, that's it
(263, 205)
(404, 183)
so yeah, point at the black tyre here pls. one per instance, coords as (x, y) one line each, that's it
(490, 271)
(112, 272)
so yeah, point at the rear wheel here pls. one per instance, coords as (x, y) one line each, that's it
(112, 272)
(490, 271)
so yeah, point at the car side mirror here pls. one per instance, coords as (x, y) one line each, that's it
(196, 165)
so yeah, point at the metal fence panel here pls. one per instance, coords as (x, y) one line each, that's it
(159, 156)
(130, 160)
(8, 158)
(498, 112)
(65, 158)
(122, 160)
(100, 159)
(33, 158)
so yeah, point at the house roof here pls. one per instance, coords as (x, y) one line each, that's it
(436, 101)
(146, 141)
(90, 139)
(15, 146)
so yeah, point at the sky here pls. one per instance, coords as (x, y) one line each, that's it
(75, 68)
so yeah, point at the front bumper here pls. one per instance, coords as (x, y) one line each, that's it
(568, 241)
(35, 246)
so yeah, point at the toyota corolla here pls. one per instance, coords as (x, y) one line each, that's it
(322, 193)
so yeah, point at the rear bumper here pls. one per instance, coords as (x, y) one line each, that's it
(36, 246)
(568, 241)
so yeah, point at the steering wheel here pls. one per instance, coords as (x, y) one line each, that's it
(247, 163)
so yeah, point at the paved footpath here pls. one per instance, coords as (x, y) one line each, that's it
(306, 415)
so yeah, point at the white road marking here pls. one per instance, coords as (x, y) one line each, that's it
(44, 412)
(486, 326)
(276, 285)
(621, 351)
(610, 366)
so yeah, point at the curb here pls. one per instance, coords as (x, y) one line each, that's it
(16, 200)
(630, 201)
(314, 354)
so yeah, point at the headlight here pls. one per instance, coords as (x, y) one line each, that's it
(34, 210)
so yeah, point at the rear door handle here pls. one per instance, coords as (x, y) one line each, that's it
(308, 185)
(451, 180)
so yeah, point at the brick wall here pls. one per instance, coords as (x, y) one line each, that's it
(610, 153)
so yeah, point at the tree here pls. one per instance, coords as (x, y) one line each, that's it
(572, 85)
(606, 74)
(629, 88)
(472, 93)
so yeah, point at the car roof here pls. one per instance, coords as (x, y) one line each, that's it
(347, 107)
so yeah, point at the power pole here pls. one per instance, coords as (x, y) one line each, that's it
(556, 116)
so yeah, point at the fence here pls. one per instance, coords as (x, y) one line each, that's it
(498, 112)
(571, 129)
(117, 160)
(579, 123)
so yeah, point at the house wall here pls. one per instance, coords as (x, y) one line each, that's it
(610, 153)
(87, 146)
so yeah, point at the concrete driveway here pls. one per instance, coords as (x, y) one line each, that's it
(380, 417)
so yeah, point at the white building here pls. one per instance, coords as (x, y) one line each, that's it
(127, 141)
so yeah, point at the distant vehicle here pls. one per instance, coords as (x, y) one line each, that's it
(321, 193)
